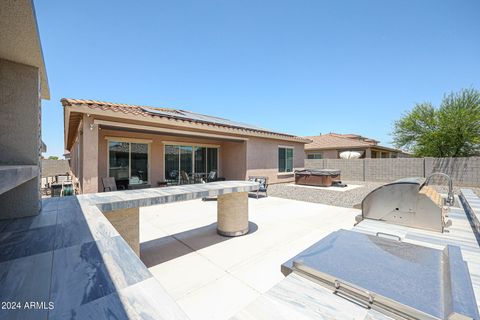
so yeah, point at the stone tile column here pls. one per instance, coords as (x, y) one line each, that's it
(126, 221)
(232, 214)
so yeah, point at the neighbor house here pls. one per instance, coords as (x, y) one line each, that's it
(158, 146)
(329, 146)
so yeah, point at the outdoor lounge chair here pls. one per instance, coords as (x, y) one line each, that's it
(263, 181)
(184, 178)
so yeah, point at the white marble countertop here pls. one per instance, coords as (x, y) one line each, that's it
(72, 257)
(296, 297)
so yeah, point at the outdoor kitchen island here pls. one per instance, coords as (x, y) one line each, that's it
(73, 263)
(306, 295)
(122, 207)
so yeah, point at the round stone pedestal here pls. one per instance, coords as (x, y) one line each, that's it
(232, 214)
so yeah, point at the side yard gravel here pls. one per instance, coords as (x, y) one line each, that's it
(345, 199)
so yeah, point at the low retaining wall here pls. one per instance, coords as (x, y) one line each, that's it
(464, 171)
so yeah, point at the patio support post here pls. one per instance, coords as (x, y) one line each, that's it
(232, 214)
(90, 156)
(126, 222)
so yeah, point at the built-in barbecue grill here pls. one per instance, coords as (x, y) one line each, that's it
(408, 202)
(401, 280)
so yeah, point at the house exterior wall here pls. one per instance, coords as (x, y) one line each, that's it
(20, 135)
(231, 154)
(75, 162)
(237, 159)
(262, 159)
(367, 153)
(90, 137)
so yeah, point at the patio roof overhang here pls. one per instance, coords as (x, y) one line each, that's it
(162, 130)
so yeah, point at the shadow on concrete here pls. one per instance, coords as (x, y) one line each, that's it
(157, 251)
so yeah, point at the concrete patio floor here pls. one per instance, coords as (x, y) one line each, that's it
(214, 277)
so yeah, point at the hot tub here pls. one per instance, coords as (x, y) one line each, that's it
(316, 177)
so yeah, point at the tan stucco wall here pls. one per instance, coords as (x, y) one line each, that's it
(262, 159)
(234, 160)
(20, 117)
(90, 167)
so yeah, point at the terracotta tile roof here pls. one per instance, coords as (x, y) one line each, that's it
(147, 112)
(333, 141)
(355, 137)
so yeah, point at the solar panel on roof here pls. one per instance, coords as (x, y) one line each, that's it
(192, 116)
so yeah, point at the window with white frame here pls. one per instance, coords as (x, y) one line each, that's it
(285, 159)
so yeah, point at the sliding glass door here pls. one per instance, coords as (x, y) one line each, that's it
(172, 163)
(127, 160)
(183, 162)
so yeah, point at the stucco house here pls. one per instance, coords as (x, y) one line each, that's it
(155, 145)
(329, 146)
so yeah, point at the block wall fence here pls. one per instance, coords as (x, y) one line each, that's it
(464, 171)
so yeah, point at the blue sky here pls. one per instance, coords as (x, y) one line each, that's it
(301, 67)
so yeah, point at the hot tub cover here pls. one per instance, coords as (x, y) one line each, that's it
(318, 172)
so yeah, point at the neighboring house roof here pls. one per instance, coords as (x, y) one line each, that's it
(51, 168)
(333, 141)
(356, 137)
(343, 141)
(175, 117)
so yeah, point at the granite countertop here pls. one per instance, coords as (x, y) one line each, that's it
(73, 264)
(297, 297)
(13, 176)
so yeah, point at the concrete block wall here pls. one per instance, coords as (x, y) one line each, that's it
(352, 168)
(392, 169)
(463, 171)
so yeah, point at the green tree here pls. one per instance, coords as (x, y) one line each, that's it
(53, 158)
(451, 130)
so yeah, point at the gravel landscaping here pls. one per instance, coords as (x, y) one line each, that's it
(336, 198)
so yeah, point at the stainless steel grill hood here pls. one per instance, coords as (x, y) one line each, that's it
(401, 280)
(408, 202)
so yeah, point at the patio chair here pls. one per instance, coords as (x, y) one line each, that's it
(263, 181)
(212, 176)
(109, 184)
(184, 178)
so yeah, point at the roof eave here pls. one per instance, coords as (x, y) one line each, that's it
(84, 108)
